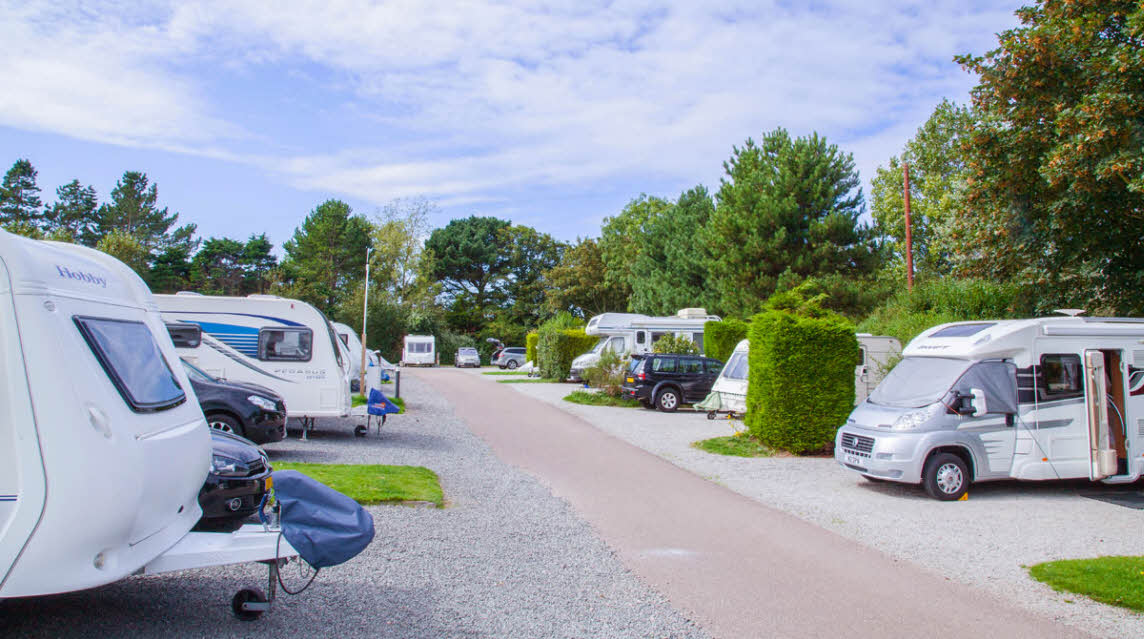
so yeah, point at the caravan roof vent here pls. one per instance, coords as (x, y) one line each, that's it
(692, 313)
(1071, 312)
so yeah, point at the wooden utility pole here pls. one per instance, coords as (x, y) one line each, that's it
(909, 239)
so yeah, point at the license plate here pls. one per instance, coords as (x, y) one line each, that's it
(631, 380)
(269, 483)
(856, 460)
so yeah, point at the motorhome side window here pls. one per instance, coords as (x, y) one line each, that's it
(1061, 376)
(185, 335)
(130, 356)
(285, 344)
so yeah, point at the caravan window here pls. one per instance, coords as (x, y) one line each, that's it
(345, 339)
(1060, 376)
(131, 357)
(185, 335)
(655, 336)
(285, 344)
(641, 337)
(420, 347)
(736, 366)
(697, 339)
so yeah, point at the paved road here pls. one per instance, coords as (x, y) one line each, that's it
(737, 567)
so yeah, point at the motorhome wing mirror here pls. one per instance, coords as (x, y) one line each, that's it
(978, 402)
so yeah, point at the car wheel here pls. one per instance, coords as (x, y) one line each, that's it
(667, 400)
(512, 364)
(225, 423)
(945, 477)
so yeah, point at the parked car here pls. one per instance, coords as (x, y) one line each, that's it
(667, 381)
(249, 410)
(467, 356)
(239, 477)
(510, 357)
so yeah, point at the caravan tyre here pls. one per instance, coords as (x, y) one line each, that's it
(225, 423)
(945, 477)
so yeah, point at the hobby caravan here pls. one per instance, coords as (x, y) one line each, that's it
(103, 447)
(1048, 398)
(631, 333)
(285, 345)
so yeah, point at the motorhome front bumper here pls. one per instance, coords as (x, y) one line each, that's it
(891, 455)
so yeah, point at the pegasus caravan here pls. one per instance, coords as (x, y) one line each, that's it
(353, 345)
(420, 350)
(103, 448)
(630, 333)
(285, 345)
(1049, 398)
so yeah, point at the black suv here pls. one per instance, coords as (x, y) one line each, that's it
(666, 381)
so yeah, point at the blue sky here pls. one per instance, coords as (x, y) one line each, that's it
(551, 114)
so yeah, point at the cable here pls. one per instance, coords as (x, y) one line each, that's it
(277, 561)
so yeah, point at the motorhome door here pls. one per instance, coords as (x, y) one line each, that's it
(1102, 455)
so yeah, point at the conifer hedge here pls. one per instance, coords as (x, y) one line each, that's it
(530, 346)
(556, 348)
(720, 338)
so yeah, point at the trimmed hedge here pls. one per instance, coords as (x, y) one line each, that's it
(530, 341)
(556, 348)
(720, 338)
(801, 380)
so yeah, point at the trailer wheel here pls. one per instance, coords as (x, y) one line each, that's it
(667, 400)
(945, 477)
(711, 415)
(359, 430)
(247, 595)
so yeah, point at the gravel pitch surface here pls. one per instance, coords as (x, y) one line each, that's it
(505, 559)
(986, 541)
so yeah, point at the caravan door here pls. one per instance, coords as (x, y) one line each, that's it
(1102, 455)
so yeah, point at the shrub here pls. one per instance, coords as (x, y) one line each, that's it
(557, 348)
(607, 374)
(720, 338)
(447, 344)
(801, 380)
(530, 346)
(671, 344)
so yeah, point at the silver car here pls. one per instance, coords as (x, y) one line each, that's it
(510, 358)
(467, 356)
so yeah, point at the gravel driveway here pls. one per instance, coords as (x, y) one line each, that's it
(504, 559)
(985, 541)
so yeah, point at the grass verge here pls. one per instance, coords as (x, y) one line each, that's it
(1118, 581)
(375, 484)
(599, 399)
(529, 380)
(734, 445)
(359, 400)
(504, 373)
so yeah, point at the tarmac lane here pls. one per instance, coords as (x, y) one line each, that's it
(736, 567)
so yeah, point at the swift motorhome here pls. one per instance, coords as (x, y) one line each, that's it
(285, 345)
(103, 447)
(632, 333)
(419, 350)
(1047, 398)
(729, 393)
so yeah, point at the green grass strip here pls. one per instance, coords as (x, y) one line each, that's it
(504, 373)
(1112, 580)
(735, 445)
(529, 380)
(374, 483)
(599, 399)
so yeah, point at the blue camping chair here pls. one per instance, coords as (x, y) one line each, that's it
(378, 405)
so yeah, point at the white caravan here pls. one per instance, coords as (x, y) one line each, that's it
(730, 388)
(632, 333)
(353, 344)
(419, 350)
(285, 345)
(1048, 398)
(103, 447)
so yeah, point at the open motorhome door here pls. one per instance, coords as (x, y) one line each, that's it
(1102, 456)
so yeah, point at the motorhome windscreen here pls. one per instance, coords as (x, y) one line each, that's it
(736, 367)
(129, 355)
(918, 381)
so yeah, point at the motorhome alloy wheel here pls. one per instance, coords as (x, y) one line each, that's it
(946, 477)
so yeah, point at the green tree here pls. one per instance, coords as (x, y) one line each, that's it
(670, 270)
(398, 261)
(623, 239)
(471, 259)
(325, 259)
(126, 248)
(1055, 198)
(531, 255)
(134, 210)
(258, 262)
(217, 269)
(73, 213)
(937, 181)
(784, 205)
(20, 206)
(170, 270)
(578, 285)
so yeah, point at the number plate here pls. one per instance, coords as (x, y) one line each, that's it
(856, 460)
(631, 380)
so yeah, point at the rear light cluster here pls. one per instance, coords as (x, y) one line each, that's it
(642, 377)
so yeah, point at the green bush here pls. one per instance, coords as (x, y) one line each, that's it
(447, 344)
(720, 338)
(530, 341)
(608, 374)
(556, 348)
(801, 380)
(671, 344)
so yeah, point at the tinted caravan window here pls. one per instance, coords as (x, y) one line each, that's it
(285, 344)
(131, 357)
(185, 335)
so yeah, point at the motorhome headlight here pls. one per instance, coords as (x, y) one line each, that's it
(913, 419)
(261, 402)
(226, 466)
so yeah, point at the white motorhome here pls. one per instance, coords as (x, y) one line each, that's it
(103, 447)
(877, 352)
(1047, 398)
(419, 350)
(632, 333)
(285, 345)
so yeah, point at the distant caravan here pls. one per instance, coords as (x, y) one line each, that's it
(631, 333)
(283, 344)
(419, 350)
